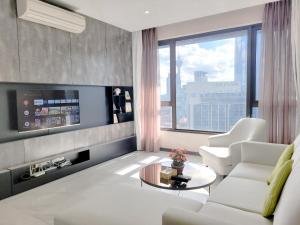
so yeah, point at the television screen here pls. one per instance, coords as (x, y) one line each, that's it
(44, 109)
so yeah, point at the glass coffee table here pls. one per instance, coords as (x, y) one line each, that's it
(201, 176)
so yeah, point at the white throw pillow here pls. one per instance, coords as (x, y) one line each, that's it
(288, 207)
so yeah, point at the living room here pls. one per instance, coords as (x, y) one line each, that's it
(149, 112)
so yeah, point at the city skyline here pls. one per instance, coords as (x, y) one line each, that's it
(210, 83)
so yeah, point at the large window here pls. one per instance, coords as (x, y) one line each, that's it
(208, 82)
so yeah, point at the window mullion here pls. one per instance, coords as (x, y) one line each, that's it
(173, 81)
(249, 71)
(253, 102)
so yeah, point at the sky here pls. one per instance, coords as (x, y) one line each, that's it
(215, 57)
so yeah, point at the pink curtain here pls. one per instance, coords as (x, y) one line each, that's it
(277, 87)
(150, 104)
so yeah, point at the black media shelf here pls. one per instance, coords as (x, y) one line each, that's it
(5, 184)
(80, 160)
(11, 179)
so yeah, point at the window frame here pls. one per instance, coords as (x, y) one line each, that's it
(251, 72)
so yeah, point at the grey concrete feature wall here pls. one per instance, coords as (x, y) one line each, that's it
(11, 154)
(30, 52)
(118, 43)
(34, 53)
(44, 54)
(41, 147)
(9, 58)
(88, 53)
(23, 151)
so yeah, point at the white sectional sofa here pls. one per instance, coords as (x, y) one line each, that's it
(237, 200)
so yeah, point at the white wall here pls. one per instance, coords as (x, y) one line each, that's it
(188, 141)
(243, 17)
(222, 21)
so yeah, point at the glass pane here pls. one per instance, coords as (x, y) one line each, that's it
(164, 73)
(211, 81)
(255, 112)
(166, 117)
(258, 58)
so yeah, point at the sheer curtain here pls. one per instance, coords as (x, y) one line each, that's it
(137, 53)
(150, 104)
(295, 35)
(277, 95)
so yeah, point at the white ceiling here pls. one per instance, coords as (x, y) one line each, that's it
(130, 14)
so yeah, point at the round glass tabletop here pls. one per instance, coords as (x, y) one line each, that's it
(201, 176)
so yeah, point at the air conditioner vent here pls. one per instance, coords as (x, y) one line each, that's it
(43, 13)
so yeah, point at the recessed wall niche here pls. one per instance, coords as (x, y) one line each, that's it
(95, 104)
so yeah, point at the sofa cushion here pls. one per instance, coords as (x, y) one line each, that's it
(285, 156)
(123, 205)
(233, 215)
(252, 171)
(240, 193)
(275, 188)
(288, 207)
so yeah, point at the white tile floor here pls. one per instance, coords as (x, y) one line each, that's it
(37, 206)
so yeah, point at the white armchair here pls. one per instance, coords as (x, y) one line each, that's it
(224, 150)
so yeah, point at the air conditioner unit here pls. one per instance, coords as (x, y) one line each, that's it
(43, 13)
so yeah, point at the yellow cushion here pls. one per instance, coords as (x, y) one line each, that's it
(285, 155)
(275, 188)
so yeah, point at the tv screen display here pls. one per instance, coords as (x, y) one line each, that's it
(45, 109)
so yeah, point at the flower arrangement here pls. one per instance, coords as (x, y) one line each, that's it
(178, 156)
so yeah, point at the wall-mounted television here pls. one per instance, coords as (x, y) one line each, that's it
(45, 109)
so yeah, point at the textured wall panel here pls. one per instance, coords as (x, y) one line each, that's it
(122, 130)
(9, 59)
(44, 54)
(88, 54)
(89, 137)
(41, 147)
(103, 134)
(119, 56)
(11, 154)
